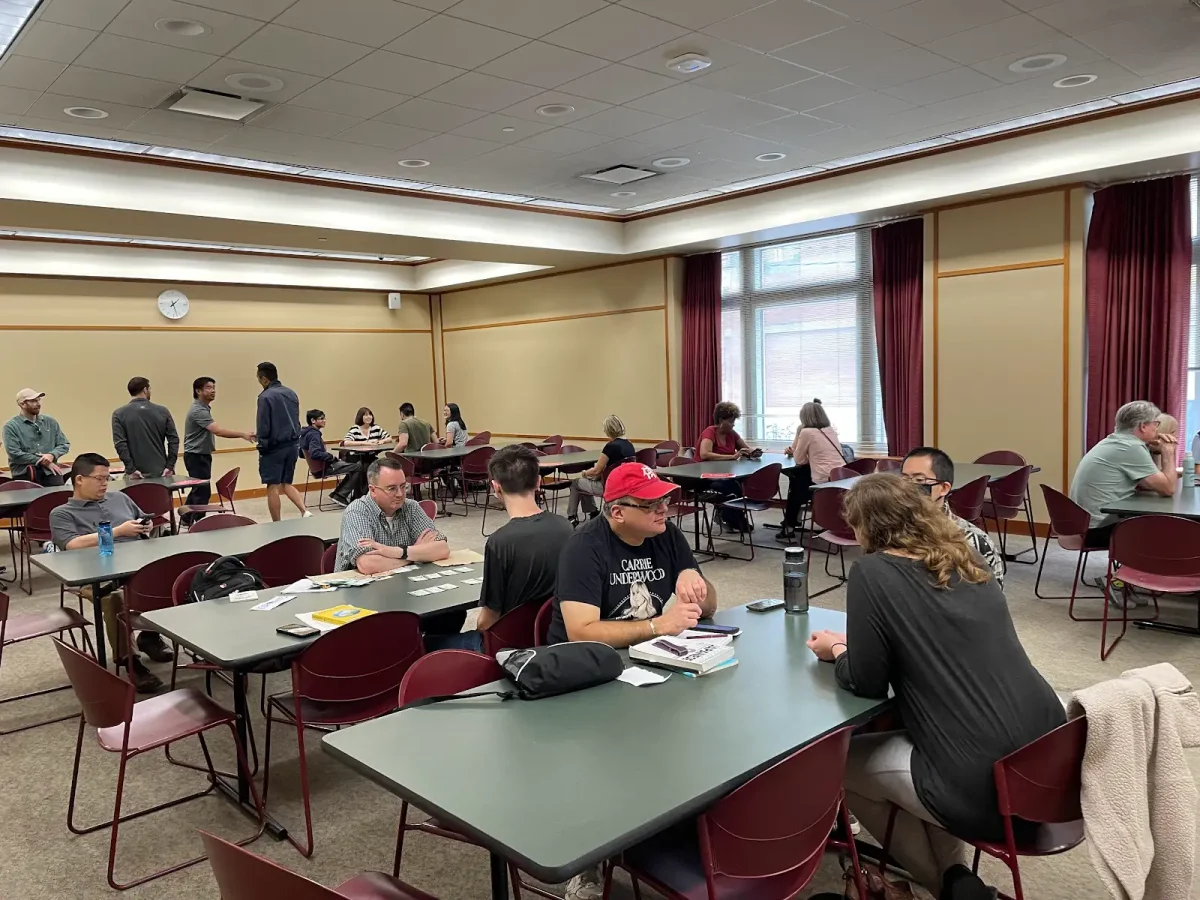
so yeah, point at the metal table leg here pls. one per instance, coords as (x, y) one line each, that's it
(240, 795)
(98, 619)
(499, 878)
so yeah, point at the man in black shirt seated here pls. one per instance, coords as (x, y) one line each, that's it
(618, 571)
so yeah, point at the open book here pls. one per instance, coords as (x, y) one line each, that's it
(698, 656)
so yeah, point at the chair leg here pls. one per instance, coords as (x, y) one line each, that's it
(400, 838)
(307, 849)
(1105, 647)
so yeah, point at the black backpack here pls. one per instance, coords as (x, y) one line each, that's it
(222, 577)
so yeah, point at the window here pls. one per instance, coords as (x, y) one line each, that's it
(1191, 423)
(797, 322)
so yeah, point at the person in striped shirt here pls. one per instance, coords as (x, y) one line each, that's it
(365, 429)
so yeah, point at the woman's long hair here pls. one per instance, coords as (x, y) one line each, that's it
(456, 416)
(889, 513)
(363, 412)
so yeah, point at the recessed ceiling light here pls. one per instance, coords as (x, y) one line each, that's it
(413, 163)
(85, 112)
(553, 110)
(623, 194)
(671, 162)
(254, 82)
(1038, 63)
(770, 157)
(1075, 81)
(508, 129)
(182, 27)
(689, 63)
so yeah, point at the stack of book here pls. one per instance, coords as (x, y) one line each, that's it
(689, 653)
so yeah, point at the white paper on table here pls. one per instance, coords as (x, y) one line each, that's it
(472, 581)
(449, 587)
(417, 577)
(240, 596)
(463, 570)
(307, 586)
(639, 677)
(307, 619)
(433, 576)
(277, 600)
(420, 593)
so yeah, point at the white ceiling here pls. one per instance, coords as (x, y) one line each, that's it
(369, 82)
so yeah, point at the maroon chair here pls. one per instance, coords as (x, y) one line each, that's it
(242, 875)
(515, 630)
(132, 728)
(864, 466)
(748, 844)
(152, 588)
(478, 441)
(450, 672)
(889, 465)
(827, 516)
(484, 436)
(667, 449)
(35, 531)
(1160, 554)
(416, 481)
(226, 487)
(688, 453)
(760, 492)
(14, 518)
(316, 472)
(647, 456)
(541, 624)
(967, 501)
(27, 626)
(154, 500)
(841, 473)
(1069, 524)
(328, 559)
(348, 675)
(224, 520)
(287, 559)
(553, 486)
(1008, 498)
(555, 441)
(429, 508)
(473, 475)
(432, 471)
(684, 503)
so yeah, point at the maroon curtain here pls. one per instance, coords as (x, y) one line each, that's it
(898, 261)
(701, 344)
(1138, 269)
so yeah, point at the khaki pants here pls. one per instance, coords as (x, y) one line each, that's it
(112, 603)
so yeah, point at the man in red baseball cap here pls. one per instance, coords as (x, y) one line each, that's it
(618, 570)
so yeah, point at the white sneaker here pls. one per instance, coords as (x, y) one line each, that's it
(855, 827)
(585, 886)
(307, 514)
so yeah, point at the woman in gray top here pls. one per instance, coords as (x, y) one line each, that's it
(456, 428)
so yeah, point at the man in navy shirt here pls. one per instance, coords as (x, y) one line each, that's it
(278, 433)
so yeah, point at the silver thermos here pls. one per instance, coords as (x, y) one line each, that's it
(795, 580)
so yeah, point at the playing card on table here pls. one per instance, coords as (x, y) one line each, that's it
(416, 577)
(463, 570)
(433, 576)
(420, 593)
(449, 587)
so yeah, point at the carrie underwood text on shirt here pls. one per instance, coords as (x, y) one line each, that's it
(642, 602)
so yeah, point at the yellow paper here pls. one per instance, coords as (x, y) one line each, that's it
(340, 615)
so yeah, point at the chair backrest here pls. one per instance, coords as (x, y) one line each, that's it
(315, 469)
(673, 446)
(750, 834)
(967, 501)
(447, 672)
(484, 437)
(647, 457)
(680, 460)
(864, 466)
(408, 465)
(288, 559)
(514, 630)
(475, 463)
(889, 465)
(1067, 518)
(220, 520)
(242, 875)
(556, 440)
(18, 484)
(477, 441)
(688, 453)
(1159, 545)
(570, 448)
(541, 624)
(183, 584)
(432, 445)
(763, 485)
(37, 514)
(1001, 458)
(360, 661)
(827, 511)
(1008, 493)
(1041, 781)
(428, 507)
(328, 558)
(227, 484)
(838, 473)
(105, 699)
(154, 499)
(152, 586)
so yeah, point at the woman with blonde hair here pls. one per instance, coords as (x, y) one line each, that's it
(590, 483)
(925, 617)
(817, 451)
(1162, 448)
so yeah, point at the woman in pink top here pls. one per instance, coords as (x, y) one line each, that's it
(817, 450)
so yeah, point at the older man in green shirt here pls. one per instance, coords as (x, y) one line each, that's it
(35, 442)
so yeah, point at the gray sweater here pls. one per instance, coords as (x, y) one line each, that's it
(140, 429)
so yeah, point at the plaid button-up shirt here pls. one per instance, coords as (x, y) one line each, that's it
(364, 519)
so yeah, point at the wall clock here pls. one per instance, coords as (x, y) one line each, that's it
(173, 304)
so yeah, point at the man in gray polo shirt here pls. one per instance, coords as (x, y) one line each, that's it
(75, 525)
(140, 429)
(199, 441)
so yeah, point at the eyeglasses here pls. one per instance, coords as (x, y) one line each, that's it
(100, 479)
(662, 503)
(395, 490)
(921, 479)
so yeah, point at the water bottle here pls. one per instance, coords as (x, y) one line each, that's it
(795, 580)
(106, 538)
(1189, 471)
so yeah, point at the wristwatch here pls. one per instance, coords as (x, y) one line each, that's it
(404, 554)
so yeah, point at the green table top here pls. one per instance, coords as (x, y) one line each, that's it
(235, 636)
(559, 784)
(87, 566)
(964, 474)
(11, 499)
(579, 458)
(734, 468)
(373, 449)
(1185, 503)
(442, 454)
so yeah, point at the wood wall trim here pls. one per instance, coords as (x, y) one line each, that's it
(667, 337)
(555, 274)
(936, 259)
(244, 284)
(1066, 326)
(1005, 267)
(445, 384)
(225, 329)
(433, 353)
(1018, 195)
(588, 315)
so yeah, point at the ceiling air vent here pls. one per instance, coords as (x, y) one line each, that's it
(213, 105)
(620, 175)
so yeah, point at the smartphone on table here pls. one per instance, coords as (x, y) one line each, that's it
(728, 630)
(764, 605)
(298, 629)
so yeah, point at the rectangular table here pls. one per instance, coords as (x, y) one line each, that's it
(572, 780)
(1185, 504)
(565, 460)
(372, 450)
(22, 498)
(964, 474)
(86, 567)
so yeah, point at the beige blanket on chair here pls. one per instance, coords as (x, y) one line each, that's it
(1139, 797)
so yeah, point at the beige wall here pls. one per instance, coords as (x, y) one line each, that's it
(81, 341)
(1004, 331)
(557, 354)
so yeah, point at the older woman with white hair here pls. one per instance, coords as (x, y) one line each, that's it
(817, 451)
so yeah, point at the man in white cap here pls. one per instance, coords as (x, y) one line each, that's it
(35, 442)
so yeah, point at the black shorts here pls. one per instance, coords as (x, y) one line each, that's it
(278, 466)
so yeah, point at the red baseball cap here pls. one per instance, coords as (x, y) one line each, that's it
(632, 479)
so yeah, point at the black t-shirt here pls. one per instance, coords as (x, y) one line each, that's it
(520, 561)
(965, 690)
(626, 582)
(616, 452)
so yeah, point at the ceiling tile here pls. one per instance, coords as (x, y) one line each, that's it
(15, 101)
(421, 112)
(1077, 16)
(485, 92)
(812, 93)
(617, 84)
(348, 99)
(370, 22)
(564, 140)
(299, 51)
(1075, 52)
(928, 20)
(528, 109)
(51, 106)
(29, 73)
(153, 140)
(682, 101)
(732, 146)
(677, 134)
(837, 49)
(615, 33)
(384, 134)
(299, 120)
(884, 71)
(263, 10)
(491, 128)
(863, 9)
(532, 18)
(75, 126)
(1028, 5)
(994, 39)
(725, 171)
(740, 115)
(49, 40)
(1148, 47)
(78, 81)
(455, 42)
(754, 76)
(693, 13)
(263, 143)
(449, 148)
(114, 53)
(722, 53)
(778, 24)
(94, 14)
(213, 79)
(613, 153)
(435, 5)
(137, 20)
(543, 65)
(943, 86)
(393, 72)
(861, 110)
(620, 121)
(794, 129)
(173, 125)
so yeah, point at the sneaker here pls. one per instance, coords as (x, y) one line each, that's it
(585, 886)
(786, 537)
(960, 883)
(855, 828)
(307, 514)
(153, 646)
(144, 681)
(339, 501)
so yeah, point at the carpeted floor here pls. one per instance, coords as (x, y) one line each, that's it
(355, 821)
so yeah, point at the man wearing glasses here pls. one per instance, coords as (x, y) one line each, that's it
(34, 441)
(932, 471)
